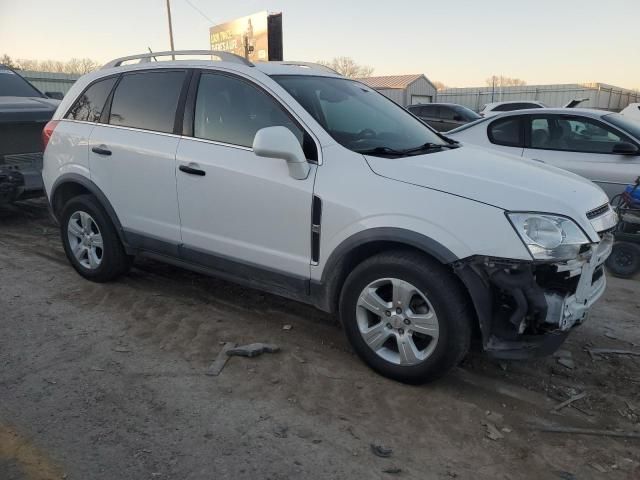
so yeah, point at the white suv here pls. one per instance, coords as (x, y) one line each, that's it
(295, 180)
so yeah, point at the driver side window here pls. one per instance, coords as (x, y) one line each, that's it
(231, 110)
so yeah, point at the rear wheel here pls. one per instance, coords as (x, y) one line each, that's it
(406, 316)
(90, 240)
(624, 260)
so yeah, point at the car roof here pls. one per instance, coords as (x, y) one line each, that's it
(268, 68)
(586, 112)
(493, 104)
(437, 104)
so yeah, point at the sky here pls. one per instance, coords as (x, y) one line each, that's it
(460, 43)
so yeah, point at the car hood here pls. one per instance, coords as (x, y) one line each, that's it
(27, 109)
(499, 179)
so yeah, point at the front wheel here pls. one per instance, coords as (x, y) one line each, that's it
(406, 316)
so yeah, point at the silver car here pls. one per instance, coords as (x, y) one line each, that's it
(599, 145)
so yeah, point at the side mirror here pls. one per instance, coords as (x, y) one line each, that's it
(625, 148)
(280, 142)
(55, 95)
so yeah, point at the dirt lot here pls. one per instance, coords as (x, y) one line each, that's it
(108, 382)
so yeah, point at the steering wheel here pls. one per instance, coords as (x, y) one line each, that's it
(366, 133)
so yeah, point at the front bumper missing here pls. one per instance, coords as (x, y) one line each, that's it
(573, 309)
(525, 309)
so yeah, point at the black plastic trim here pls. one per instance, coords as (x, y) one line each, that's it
(96, 192)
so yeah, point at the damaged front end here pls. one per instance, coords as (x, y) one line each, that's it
(526, 308)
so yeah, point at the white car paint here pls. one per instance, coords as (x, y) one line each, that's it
(251, 209)
(632, 111)
(612, 172)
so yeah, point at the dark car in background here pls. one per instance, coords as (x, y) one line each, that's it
(443, 116)
(24, 111)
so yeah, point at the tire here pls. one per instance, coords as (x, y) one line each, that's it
(624, 260)
(105, 263)
(433, 289)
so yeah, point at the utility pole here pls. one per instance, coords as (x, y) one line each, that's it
(173, 57)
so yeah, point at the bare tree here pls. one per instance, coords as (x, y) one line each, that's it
(348, 67)
(502, 81)
(439, 85)
(77, 66)
(7, 60)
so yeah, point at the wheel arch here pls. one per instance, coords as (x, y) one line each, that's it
(363, 245)
(71, 185)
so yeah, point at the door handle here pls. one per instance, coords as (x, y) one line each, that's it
(192, 170)
(101, 150)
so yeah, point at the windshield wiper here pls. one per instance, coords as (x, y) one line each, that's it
(381, 150)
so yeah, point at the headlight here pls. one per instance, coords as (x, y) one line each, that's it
(548, 237)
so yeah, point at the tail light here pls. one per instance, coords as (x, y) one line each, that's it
(47, 132)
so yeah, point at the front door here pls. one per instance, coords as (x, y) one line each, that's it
(584, 146)
(240, 212)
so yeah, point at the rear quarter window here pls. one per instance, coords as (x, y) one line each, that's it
(88, 107)
(506, 131)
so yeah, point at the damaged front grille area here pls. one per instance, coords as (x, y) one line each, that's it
(596, 212)
(526, 309)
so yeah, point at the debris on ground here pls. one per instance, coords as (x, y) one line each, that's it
(492, 432)
(287, 327)
(381, 451)
(392, 470)
(598, 467)
(565, 475)
(253, 350)
(494, 417)
(121, 349)
(590, 431)
(569, 401)
(281, 431)
(221, 360)
(613, 351)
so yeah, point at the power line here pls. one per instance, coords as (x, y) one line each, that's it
(199, 11)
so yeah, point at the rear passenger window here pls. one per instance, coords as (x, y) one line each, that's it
(147, 100)
(230, 110)
(506, 131)
(89, 105)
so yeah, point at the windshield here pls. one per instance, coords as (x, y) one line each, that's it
(13, 85)
(629, 126)
(359, 118)
(466, 113)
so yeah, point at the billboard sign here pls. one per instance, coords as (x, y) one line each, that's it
(256, 37)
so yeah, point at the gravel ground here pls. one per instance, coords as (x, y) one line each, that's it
(109, 382)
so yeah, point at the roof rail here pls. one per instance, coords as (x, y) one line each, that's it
(317, 66)
(146, 57)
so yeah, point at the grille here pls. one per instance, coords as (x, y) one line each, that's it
(596, 212)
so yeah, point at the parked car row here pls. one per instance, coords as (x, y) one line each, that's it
(24, 111)
(301, 182)
(601, 146)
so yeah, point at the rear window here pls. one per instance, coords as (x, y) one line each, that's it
(506, 131)
(88, 107)
(147, 100)
(510, 107)
(13, 85)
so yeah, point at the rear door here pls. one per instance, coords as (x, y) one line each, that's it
(584, 146)
(132, 156)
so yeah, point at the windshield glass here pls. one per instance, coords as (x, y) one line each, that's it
(466, 113)
(358, 117)
(629, 126)
(13, 85)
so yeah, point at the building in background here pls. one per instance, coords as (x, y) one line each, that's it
(50, 82)
(599, 95)
(256, 37)
(404, 89)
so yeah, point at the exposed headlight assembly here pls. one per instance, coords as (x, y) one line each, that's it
(549, 237)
